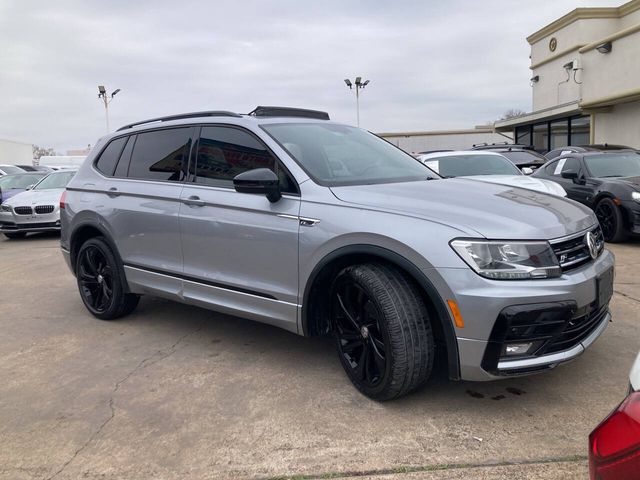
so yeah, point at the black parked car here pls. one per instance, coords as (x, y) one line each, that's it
(608, 182)
(596, 147)
(520, 155)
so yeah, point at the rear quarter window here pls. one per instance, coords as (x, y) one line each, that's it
(109, 157)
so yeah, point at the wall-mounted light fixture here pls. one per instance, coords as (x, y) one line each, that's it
(605, 47)
(535, 79)
(568, 66)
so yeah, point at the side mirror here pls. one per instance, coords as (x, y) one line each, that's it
(527, 170)
(259, 180)
(571, 175)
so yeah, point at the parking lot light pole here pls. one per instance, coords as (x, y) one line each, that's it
(358, 84)
(102, 93)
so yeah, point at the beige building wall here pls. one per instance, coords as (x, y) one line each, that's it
(16, 153)
(414, 142)
(619, 126)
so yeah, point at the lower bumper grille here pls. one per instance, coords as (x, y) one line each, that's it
(575, 331)
(5, 226)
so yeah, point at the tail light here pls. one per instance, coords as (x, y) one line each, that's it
(614, 445)
(62, 200)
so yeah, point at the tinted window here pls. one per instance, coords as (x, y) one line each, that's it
(110, 155)
(161, 155)
(614, 165)
(563, 165)
(125, 157)
(226, 152)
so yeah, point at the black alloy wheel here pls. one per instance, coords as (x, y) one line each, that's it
(360, 340)
(611, 222)
(101, 281)
(95, 277)
(382, 330)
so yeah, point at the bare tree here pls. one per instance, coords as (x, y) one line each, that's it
(512, 113)
(40, 151)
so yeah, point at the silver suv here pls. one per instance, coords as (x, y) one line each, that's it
(287, 218)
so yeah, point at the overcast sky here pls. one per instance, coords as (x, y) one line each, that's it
(433, 64)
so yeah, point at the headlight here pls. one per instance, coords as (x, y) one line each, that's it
(635, 196)
(501, 260)
(5, 208)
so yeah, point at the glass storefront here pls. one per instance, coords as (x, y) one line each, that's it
(561, 132)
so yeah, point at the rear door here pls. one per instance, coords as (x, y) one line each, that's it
(142, 203)
(240, 250)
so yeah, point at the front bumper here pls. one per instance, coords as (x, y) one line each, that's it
(632, 211)
(483, 301)
(12, 223)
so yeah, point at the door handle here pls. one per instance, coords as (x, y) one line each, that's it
(194, 201)
(113, 192)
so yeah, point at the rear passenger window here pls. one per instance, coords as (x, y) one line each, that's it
(226, 152)
(161, 155)
(110, 155)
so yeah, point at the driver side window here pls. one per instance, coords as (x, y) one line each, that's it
(563, 165)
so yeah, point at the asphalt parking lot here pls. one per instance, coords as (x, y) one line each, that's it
(174, 391)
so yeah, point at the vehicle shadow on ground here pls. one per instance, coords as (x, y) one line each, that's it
(314, 361)
(31, 238)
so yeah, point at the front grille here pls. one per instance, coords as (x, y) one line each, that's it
(575, 331)
(574, 252)
(41, 209)
(23, 210)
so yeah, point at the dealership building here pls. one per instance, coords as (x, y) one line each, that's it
(585, 77)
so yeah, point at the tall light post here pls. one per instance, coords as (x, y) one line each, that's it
(102, 93)
(358, 84)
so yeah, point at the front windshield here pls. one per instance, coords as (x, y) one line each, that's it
(336, 155)
(55, 180)
(9, 170)
(19, 181)
(613, 165)
(466, 165)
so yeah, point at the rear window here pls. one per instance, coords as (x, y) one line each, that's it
(110, 155)
(161, 155)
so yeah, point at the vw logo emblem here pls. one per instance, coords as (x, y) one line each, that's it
(590, 241)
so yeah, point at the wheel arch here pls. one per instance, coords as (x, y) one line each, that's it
(314, 315)
(85, 231)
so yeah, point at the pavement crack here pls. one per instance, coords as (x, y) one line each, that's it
(144, 363)
(627, 296)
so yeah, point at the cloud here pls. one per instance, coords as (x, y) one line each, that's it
(432, 64)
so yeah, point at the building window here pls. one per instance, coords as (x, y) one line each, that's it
(559, 133)
(523, 135)
(580, 131)
(541, 137)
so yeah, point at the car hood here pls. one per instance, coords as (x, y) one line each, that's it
(489, 209)
(6, 194)
(632, 181)
(36, 197)
(523, 181)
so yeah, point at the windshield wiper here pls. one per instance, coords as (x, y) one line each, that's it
(610, 176)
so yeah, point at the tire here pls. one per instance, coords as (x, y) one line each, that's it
(101, 281)
(14, 236)
(382, 330)
(611, 221)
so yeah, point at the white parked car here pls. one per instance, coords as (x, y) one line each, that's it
(36, 210)
(487, 167)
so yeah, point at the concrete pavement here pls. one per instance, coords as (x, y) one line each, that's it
(174, 391)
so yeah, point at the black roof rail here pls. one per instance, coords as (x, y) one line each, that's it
(213, 113)
(261, 111)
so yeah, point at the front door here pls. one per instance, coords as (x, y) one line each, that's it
(240, 250)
